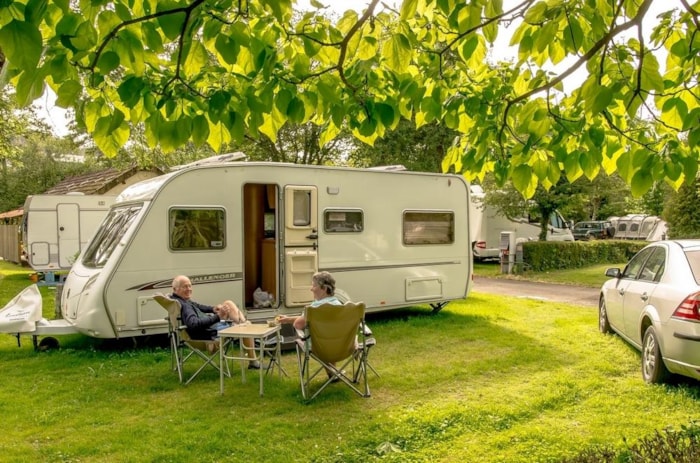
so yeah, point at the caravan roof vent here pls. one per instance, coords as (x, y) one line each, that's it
(219, 158)
(394, 167)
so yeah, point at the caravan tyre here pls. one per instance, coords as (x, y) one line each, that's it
(48, 343)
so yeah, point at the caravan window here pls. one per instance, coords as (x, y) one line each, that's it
(421, 227)
(302, 208)
(113, 228)
(197, 229)
(342, 221)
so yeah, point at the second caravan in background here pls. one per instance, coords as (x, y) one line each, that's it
(486, 225)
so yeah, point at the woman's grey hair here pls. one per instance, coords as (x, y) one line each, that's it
(325, 281)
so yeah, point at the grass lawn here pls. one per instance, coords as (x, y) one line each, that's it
(487, 379)
(593, 276)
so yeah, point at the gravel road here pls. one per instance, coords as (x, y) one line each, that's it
(544, 291)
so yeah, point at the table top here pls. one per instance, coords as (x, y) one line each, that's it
(252, 330)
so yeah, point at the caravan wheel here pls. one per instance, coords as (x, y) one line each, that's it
(48, 343)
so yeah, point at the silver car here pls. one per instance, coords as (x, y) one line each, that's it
(654, 305)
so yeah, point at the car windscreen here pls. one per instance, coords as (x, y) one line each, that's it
(693, 257)
(105, 240)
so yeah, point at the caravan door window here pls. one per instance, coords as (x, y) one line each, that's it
(342, 221)
(423, 227)
(197, 229)
(106, 238)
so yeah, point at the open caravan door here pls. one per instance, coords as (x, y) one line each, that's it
(300, 243)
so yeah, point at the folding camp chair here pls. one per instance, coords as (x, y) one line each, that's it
(182, 346)
(334, 340)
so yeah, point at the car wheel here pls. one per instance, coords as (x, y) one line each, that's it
(653, 369)
(603, 324)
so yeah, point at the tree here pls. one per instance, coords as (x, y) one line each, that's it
(218, 71)
(418, 149)
(681, 212)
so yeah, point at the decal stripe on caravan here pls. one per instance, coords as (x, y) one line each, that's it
(195, 279)
(384, 267)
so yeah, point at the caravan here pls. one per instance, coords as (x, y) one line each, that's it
(486, 225)
(56, 228)
(391, 239)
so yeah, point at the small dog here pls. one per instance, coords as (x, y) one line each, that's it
(229, 311)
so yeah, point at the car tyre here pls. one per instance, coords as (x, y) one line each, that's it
(603, 323)
(654, 370)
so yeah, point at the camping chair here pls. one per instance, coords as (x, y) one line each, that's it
(334, 339)
(182, 346)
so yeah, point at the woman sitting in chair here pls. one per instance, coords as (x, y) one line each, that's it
(323, 289)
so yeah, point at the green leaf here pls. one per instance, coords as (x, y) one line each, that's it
(642, 182)
(524, 180)
(200, 130)
(35, 11)
(227, 48)
(109, 61)
(171, 24)
(296, 110)
(30, 86)
(408, 9)
(68, 93)
(130, 91)
(21, 43)
(397, 52)
(598, 100)
(386, 113)
(196, 59)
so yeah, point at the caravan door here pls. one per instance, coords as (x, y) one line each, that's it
(300, 242)
(68, 224)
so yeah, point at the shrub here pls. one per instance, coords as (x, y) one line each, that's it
(553, 255)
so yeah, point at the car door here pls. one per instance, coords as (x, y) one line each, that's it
(615, 297)
(640, 290)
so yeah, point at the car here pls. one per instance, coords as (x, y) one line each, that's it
(654, 305)
(593, 230)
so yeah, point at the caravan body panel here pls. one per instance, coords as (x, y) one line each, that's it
(57, 227)
(391, 239)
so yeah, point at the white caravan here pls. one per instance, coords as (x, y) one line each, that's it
(391, 239)
(56, 228)
(486, 225)
(639, 227)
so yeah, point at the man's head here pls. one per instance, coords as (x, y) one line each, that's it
(182, 286)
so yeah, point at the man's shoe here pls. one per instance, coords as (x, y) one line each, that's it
(253, 365)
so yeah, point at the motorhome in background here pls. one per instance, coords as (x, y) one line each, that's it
(56, 228)
(639, 227)
(486, 225)
(391, 239)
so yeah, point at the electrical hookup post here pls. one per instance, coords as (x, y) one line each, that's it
(507, 252)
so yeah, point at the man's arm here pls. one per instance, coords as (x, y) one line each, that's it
(193, 320)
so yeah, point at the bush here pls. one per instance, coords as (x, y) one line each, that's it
(553, 255)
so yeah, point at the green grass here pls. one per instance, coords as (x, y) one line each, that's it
(488, 379)
(592, 276)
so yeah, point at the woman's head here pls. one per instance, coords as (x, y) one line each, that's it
(323, 284)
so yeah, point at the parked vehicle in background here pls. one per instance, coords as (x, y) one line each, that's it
(486, 224)
(654, 305)
(593, 230)
(639, 227)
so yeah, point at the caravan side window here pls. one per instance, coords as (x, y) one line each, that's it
(197, 229)
(342, 221)
(423, 227)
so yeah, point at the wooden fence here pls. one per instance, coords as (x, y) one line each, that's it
(10, 242)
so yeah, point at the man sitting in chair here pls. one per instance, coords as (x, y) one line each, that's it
(204, 321)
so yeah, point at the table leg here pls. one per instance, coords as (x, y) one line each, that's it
(221, 365)
(261, 360)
